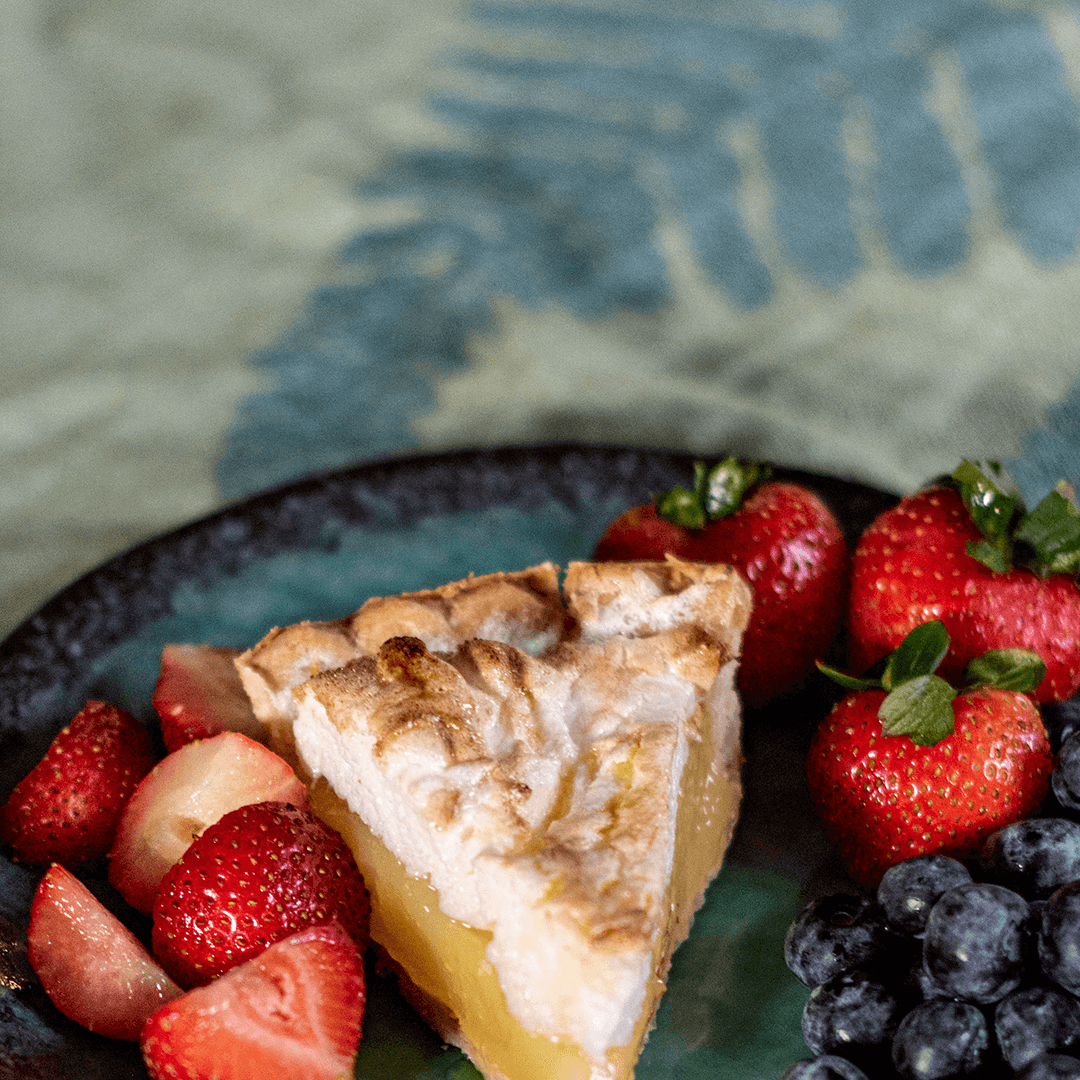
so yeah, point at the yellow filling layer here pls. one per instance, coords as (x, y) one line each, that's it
(446, 960)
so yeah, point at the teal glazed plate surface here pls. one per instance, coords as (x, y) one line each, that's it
(316, 549)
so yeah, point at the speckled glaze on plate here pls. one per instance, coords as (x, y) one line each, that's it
(316, 549)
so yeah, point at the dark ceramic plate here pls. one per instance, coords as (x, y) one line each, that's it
(316, 549)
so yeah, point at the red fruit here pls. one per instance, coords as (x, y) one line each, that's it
(66, 809)
(789, 546)
(94, 969)
(294, 1012)
(261, 873)
(783, 539)
(883, 798)
(199, 694)
(641, 533)
(188, 790)
(912, 564)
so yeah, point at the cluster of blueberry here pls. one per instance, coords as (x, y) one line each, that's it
(953, 970)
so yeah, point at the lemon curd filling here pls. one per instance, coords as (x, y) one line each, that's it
(443, 965)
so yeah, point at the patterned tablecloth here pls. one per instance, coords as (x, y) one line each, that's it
(241, 242)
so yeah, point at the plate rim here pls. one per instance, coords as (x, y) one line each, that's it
(261, 521)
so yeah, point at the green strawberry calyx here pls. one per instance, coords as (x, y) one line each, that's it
(1045, 539)
(919, 703)
(716, 492)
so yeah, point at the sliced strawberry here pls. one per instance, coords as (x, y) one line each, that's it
(94, 969)
(66, 809)
(294, 1012)
(199, 694)
(187, 791)
(261, 873)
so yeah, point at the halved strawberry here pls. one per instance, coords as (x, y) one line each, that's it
(94, 969)
(188, 790)
(259, 874)
(294, 1012)
(199, 694)
(66, 809)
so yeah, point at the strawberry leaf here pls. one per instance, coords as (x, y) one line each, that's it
(715, 493)
(681, 507)
(1007, 669)
(997, 557)
(726, 484)
(917, 655)
(1046, 539)
(849, 682)
(992, 509)
(1052, 533)
(920, 708)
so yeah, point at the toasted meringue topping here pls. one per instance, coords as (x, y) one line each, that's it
(523, 607)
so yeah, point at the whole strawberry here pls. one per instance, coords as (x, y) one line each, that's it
(907, 766)
(780, 535)
(66, 809)
(641, 533)
(968, 553)
(261, 873)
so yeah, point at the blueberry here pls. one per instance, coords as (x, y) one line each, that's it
(1033, 969)
(940, 1039)
(1065, 778)
(1051, 1067)
(833, 934)
(1059, 937)
(1036, 1020)
(909, 889)
(1061, 719)
(851, 1014)
(926, 985)
(1033, 857)
(824, 1067)
(973, 944)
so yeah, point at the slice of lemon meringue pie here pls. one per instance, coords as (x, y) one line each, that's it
(538, 791)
